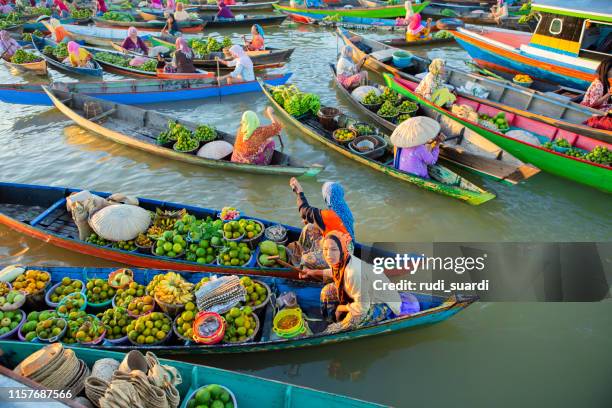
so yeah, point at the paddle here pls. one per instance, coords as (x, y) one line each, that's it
(285, 264)
(218, 80)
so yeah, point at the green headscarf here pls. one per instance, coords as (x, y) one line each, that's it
(248, 124)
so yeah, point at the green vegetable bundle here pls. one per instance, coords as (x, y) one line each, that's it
(295, 102)
(80, 14)
(388, 110)
(114, 59)
(60, 51)
(23, 57)
(117, 16)
(38, 11)
(9, 20)
(600, 155)
(389, 95)
(442, 35)
(372, 98)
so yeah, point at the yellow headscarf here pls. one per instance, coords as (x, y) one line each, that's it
(248, 124)
(436, 66)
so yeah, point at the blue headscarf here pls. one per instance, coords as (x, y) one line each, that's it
(259, 30)
(333, 194)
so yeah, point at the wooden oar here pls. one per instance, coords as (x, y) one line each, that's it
(285, 264)
(218, 80)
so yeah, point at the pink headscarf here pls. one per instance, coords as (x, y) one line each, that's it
(170, 4)
(102, 6)
(60, 5)
(415, 27)
(73, 48)
(181, 45)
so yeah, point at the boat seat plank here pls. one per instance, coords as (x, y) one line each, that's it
(103, 115)
(383, 55)
(48, 211)
(20, 212)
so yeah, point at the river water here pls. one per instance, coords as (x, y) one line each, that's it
(492, 354)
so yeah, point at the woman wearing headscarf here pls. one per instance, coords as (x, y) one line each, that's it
(415, 30)
(416, 142)
(224, 11)
(254, 142)
(599, 93)
(77, 56)
(101, 7)
(257, 42)
(337, 215)
(157, 4)
(8, 45)
(243, 66)
(134, 43)
(183, 57)
(433, 81)
(170, 5)
(180, 14)
(350, 300)
(171, 29)
(62, 8)
(348, 73)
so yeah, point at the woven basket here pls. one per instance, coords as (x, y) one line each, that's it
(252, 336)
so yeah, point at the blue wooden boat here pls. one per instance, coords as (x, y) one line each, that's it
(40, 212)
(250, 391)
(39, 45)
(434, 309)
(31, 26)
(142, 91)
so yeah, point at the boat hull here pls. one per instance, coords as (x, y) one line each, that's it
(38, 68)
(34, 95)
(186, 27)
(379, 12)
(496, 58)
(265, 21)
(264, 5)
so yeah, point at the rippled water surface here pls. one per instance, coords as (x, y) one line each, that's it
(489, 355)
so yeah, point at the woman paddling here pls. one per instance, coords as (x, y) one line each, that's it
(416, 142)
(243, 66)
(171, 29)
(254, 142)
(257, 40)
(599, 94)
(134, 43)
(351, 300)
(348, 73)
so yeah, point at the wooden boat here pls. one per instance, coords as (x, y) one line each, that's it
(186, 27)
(38, 68)
(434, 309)
(353, 23)
(142, 91)
(443, 181)
(138, 128)
(580, 170)
(401, 42)
(265, 59)
(544, 107)
(98, 36)
(39, 45)
(570, 62)
(460, 151)
(150, 14)
(40, 212)
(370, 12)
(238, 6)
(247, 21)
(31, 26)
(250, 391)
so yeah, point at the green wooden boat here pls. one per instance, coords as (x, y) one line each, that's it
(370, 12)
(443, 180)
(553, 161)
(250, 391)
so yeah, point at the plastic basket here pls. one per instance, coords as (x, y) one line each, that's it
(252, 336)
(52, 289)
(59, 336)
(68, 298)
(14, 306)
(266, 300)
(127, 271)
(192, 394)
(17, 328)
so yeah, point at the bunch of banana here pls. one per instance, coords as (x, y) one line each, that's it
(171, 288)
(166, 219)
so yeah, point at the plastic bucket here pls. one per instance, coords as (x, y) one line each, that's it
(402, 59)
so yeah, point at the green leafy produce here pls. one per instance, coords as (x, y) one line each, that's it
(526, 6)
(60, 51)
(205, 133)
(294, 101)
(372, 98)
(402, 117)
(149, 66)
(38, 11)
(204, 47)
(48, 50)
(117, 16)
(389, 95)
(442, 35)
(448, 13)
(9, 20)
(80, 13)
(112, 58)
(23, 57)
(363, 129)
(527, 18)
(388, 110)
(408, 106)
(600, 155)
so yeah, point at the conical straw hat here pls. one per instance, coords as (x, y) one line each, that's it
(415, 132)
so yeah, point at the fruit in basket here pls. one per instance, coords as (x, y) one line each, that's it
(125, 295)
(344, 135)
(121, 278)
(184, 322)
(97, 240)
(32, 281)
(234, 254)
(547, 145)
(4, 288)
(402, 117)
(522, 78)
(213, 396)
(271, 248)
(12, 297)
(202, 252)
(186, 143)
(573, 152)
(391, 96)
(387, 110)
(125, 245)
(74, 322)
(143, 240)
(9, 320)
(408, 106)
(171, 244)
(141, 305)
(229, 214)
(171, 288)
(50, 328)
(28, 330)
(90, 330)
(205, 133)
(363, 129)
(66, 287)
(256, 292)
(252, 228)
(149, 329)
(71, 304)
(600, 155)
(99, 291)
(372, 98)
(240, 324)
(116, 321)
(233, 230)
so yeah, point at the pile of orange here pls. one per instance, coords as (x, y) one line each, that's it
(32, 281)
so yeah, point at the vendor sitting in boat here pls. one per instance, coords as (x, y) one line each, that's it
(599, 94)
(134, 43)
(433, 81)
(78, 57)
(170, 6)
(171, 29)
(224, 12)
(415, 30)
(180, 14)
(351, 300)
(8, 45)
(254, 144)
(243, 71)
(416, 142)
(499, 12)
(348, 73)
(100, 8)
(257, 42)
(182, 59)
